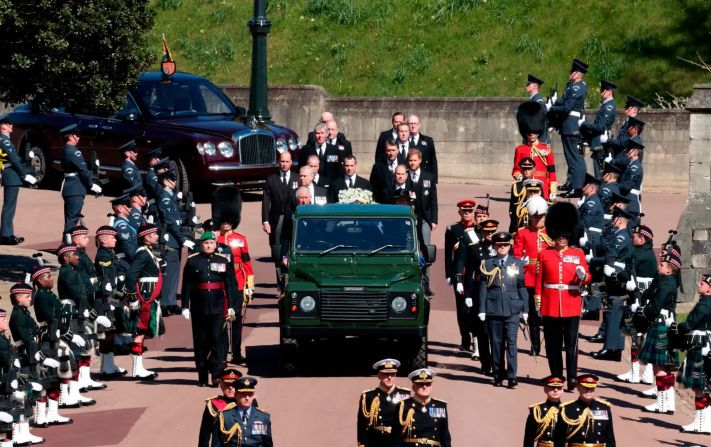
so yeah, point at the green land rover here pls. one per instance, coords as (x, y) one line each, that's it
(354, 271)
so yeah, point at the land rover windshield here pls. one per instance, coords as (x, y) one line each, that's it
(363, 235)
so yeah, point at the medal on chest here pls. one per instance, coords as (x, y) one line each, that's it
(570, 259)
(259, 428)
(437, 413)
(236, 243)
(600, 415)
(218, 267)
(511, 270)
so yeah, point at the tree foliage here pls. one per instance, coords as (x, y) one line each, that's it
(79, 54)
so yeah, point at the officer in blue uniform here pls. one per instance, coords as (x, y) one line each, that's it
(129, 171)
(572, 107)
(255, 425)
(609, 186)
(126, 232)
(604, 119)
(77, 177)
(173, 240)
(137, 201)
(13, 173)
(533, 85)
(503, 299)
(150, 181)
(632, 106)
(619, 146)
(592, 221)
(631, 179)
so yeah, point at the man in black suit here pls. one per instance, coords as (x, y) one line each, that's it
(276, 200)
(425, 144)
(425, 189)
(348, 180)
(403, 142)
(329, 157)
(326, 117)
(337, 139)
(390, 134)
(382, 176)
(319, 195)
(401, 191)
(319, 180)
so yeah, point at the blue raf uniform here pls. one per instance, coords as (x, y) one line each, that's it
(631, 181)
(502, 298)
(591, 213)
(537, 97)
(604, 119)
(609, 188)
(77, 180)
(129, 171)
(13, 173)
(126, 233)
(245, 427)
(572, 106)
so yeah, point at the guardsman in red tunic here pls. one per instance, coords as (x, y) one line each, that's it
(528, 243)
(562, 273)
(531, 118)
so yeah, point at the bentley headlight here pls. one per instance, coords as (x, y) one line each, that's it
(281, 145)
(399, 304)
(293, 143)
(226, 149)
(307, 303)
(207, 148)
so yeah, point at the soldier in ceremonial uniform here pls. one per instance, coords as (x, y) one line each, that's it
(227, 210)
(631, 179)
(531, 121)
(604, 119)
(533, 87)
(528, 243)
(543, 416)
(377, 407)
(609, 186)
(618, 146)
(586, 421)
(692, 374)
(243, 423)
(215, 405)
(562, 273)
(421, 420)
(571, 109)
(13, 174)
(210, 296)
(5, 394)
(129, 171)
(518, 191)
(126, 233)
(173, 240)
(150, 182)
(456, 237)
(77, 177)
(144, 281)
(531, 187)
(137, 202)
(503, 299)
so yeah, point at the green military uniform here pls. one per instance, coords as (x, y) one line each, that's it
(24, 331)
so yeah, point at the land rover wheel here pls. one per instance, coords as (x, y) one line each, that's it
(417, 353)
(289, 356)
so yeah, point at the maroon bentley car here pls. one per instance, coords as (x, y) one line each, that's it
(207, 137)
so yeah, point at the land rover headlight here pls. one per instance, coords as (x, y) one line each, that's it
(226, 149)
(293, 143)
(399, 304)
(207, 148)
(307, 303)
(281, 145)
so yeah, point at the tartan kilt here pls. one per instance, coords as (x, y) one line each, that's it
(131, 322)
(692, 374)
(656, 349)
(121, 319)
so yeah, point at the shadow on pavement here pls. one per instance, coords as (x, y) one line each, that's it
(173, 358)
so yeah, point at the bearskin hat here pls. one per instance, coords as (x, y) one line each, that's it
(562, 220)
(227, 205)
(531, 118)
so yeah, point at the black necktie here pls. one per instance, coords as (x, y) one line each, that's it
(348, 182)
(402, 149)
(412, 142)
(244, 417)
(283, 179)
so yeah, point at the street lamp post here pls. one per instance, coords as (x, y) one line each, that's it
(259, 26)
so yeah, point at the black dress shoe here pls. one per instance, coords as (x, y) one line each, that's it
(465, 348)
(572, 194)
(565, 187)
(512, 384)
(237, 359)
(608, 354)
(497, 382)
(202, 384)
(597, 338)
(9, 240)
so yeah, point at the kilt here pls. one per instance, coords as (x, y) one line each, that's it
(692, 373)
(656, 349)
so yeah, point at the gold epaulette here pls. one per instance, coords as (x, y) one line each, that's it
(489, 273)
(223, 255)
(603, 401)
(401, 388)
(566, 403)
(194, 254)
(517, 193)
(367, 390)
(536, 404)
(105, 264)
(210, 398)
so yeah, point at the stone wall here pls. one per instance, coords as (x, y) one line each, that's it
(475, 137)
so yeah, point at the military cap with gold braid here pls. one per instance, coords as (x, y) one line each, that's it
(422, 375)
(230, 375)
(587, 380)
(553, 381)
(466, 204)
(246, 384)
(386, 365)
(489, 225)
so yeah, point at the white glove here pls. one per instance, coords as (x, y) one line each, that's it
(134, 305)
(248, 291)
(36, 386)
(77, 340)
(630, 285)
(103, 321)
(580, 272)
(5, 417)
(16, 363)
(38, 355)
(19, 395)
(86, 313)
(30, 179)
(668, 321)
(179, 195)
(195, 220)
(189, 244)
(186, 314)
(583, 240)
(230, 312)
(588, 257)
(468, 302)
(554, 98)
(449, 281)
(50, 363)
(579, 203)
(460, 288)
(608, 270)
(551, 197)
(581, 121)
(13, 384)
(482, 316)
(108, 287)
(58, 333)
(525, 260)
(548, 107)
(608, 159)
(634, 307)
(95, 188)
(604, 138)
(112, 307)
(705, 350)
(525, 317)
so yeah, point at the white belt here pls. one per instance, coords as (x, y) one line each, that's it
(575, 114)
(70, 174)
(698, 333)
(68, 301)
(149, 279)
(561, 287)
(595, 230)
(607, 216)
(93, 280)
(121, 277)
(120, 255)
(620, 265)
(644, 280)
(634, 191)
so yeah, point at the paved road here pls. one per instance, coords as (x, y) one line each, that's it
(319, 408)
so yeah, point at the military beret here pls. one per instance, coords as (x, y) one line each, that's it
(607, 85)
(20, 287)
(246, 384)
(207, 236)
(502, 238)
(580, 66)
(534, 80)
(3, 313)
(130, 146)
(553, 380)
(422, 375)
(587, 380)
(481, 209)
(386, 365)
(466, 204)
(38, 270)
(78, 230)
(71, 129)
(526, 163)
(673, 260)
(706, 278)
(106, 229)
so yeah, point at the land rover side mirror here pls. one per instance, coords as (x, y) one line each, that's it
(431, 253)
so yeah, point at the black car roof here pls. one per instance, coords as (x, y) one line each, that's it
(155, 76)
